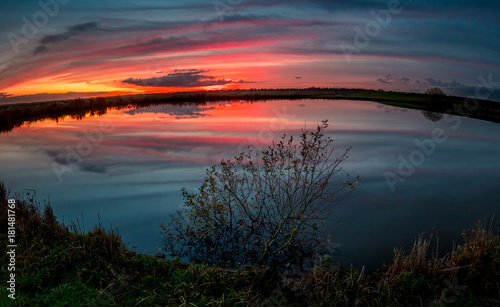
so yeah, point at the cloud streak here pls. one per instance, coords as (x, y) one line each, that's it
(71, 32)
(434, 82)
(391, 79)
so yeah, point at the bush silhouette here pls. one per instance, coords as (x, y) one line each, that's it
(262, 209)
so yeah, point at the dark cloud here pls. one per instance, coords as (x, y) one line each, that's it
(183, 78)
(72, 31)
(298, 77)
(84, 27)
(40, 49)
(52, 153)
(434, 82)
(390, 79)
(4, 95)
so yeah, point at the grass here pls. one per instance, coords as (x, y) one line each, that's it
(13, 116)
(58, 265)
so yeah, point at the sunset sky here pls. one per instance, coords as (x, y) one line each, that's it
(57, 49)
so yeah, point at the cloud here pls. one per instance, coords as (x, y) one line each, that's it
(434, 82)
(390, 79)
(72, 31)
(4, 95)
(40, 49)
(183, 78)
(298, 77)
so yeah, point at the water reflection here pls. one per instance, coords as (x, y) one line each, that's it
(433, 116)
(178, 112)
(132, 174)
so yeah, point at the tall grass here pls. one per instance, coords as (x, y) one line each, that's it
(469, 275)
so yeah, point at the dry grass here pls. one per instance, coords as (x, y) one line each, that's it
(469, 275)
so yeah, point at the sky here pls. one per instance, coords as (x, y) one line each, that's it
(61, 49)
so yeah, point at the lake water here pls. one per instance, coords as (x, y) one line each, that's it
(132, 173)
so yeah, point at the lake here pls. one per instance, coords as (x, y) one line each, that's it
(128, 167)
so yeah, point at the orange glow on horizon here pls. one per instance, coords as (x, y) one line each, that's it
(254, 69)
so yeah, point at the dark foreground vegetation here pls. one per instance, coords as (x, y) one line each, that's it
(12, 116)
(58, 265)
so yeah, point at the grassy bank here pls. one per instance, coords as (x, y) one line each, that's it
(12, 116)
(58, 265)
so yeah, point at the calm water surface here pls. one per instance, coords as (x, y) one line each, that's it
(132, 177)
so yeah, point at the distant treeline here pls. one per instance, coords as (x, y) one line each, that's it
(13, 116)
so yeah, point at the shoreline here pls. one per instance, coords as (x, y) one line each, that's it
(15, 115)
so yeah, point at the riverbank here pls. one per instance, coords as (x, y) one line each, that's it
(59, 265)
(13, 116)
